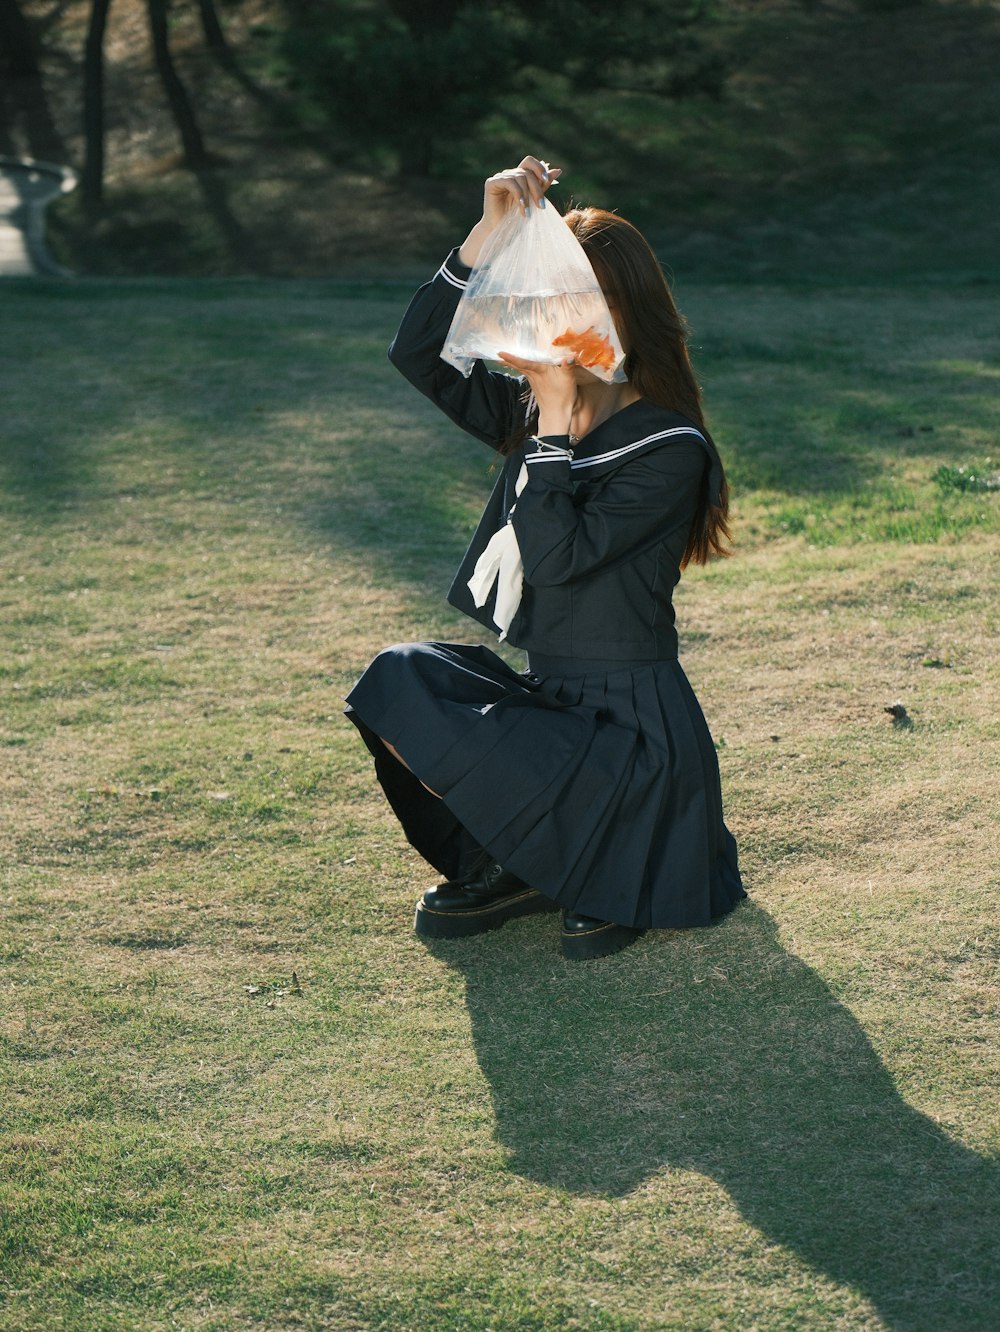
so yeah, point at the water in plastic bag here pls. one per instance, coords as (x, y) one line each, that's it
(534, 294)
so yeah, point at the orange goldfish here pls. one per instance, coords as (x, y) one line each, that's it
(590, 349)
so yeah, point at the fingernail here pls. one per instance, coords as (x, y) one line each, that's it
(545, 173)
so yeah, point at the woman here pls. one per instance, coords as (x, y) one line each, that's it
(589, 782)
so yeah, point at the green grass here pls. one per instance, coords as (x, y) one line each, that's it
(238, 1093)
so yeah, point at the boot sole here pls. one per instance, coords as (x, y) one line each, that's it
(601, 941)
(432, 924)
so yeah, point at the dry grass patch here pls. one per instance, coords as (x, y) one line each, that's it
(241, 1094)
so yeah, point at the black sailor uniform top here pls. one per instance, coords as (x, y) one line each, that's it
(601, 533)
(592, 776)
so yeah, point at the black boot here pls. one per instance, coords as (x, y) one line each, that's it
(471, 906)
(583, 937)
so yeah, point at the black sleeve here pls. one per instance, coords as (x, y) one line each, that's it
(486, 404)
(642, 502)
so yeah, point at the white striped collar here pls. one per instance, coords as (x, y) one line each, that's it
(614, 454)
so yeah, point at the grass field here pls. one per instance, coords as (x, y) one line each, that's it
(237, 1093)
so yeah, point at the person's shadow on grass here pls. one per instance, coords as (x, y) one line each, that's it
(718, 1051)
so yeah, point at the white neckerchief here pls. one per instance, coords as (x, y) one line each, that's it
(500, 563)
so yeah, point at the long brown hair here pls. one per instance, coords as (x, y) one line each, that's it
(655, 332)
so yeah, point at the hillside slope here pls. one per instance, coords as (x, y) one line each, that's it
(855, 140)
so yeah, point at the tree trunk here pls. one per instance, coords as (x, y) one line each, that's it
(225, 57)
(215, 38)
(195, 155)
(26, 112)
(92, 179)
(17, 42)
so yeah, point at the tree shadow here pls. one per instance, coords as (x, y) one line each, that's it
(240, 244)
(390, 470)
(46, 475)
(720, 1052)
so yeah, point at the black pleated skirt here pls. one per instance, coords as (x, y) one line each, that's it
(599, 787)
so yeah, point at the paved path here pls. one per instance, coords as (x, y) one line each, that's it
(26, 190)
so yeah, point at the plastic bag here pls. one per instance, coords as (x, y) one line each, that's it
(534, 294)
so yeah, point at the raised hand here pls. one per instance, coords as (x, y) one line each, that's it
(519, 187)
